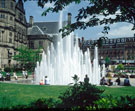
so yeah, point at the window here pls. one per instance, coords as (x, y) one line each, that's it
(16, 37)
(32, 44)
(40, 43)
(10, 34)
(118, 40)
(11, 5)
(14, 53)
(114, 41)
(2, 16)
(2, 3)
(9, 61)
(11, 18)
(20, 17)
(10, 40)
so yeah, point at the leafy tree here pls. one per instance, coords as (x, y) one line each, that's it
(120, 11)
(120, 67)
(27, 57)
(107, 61)
(100, 41)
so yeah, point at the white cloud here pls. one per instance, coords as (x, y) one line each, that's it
(49, 5)
(101, 16)
(124, 31)
(120, 31)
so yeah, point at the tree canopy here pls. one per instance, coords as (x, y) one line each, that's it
(112, 11)
(27, 57)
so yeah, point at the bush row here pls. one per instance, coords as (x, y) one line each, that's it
(105, 103)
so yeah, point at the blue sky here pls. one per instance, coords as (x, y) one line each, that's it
(117, 30)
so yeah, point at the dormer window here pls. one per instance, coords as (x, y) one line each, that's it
(44, 28)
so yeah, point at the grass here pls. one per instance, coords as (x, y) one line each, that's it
(119, 91)
(19, 94)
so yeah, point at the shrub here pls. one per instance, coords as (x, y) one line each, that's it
(80, 95)
(7, 69)
(107, 102)
(121, 103)
(43, 104)
(17, 69)
(126, 102)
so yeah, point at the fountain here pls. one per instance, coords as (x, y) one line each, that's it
(65, 60)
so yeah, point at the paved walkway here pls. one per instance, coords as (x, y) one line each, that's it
(132, 81)
(20, 80)
(29, 80)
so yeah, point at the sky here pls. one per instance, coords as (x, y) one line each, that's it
(117, 30)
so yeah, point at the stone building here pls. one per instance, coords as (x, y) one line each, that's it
(42, 34)
(118, 50)
(16, 32)
(13, 30)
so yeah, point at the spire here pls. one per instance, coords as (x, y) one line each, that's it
(20, 6)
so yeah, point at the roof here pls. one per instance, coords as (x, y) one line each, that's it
(43, 28)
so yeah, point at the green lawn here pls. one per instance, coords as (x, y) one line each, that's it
(119, 91)
(19, 94)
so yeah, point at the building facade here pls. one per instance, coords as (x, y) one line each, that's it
(42, 34)
(16, 32)
(118, 50)
(13, 30)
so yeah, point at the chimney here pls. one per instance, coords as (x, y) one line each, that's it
(82, 39)
(69, 18)
(31, 20)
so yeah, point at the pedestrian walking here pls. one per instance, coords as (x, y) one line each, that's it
(15, 76)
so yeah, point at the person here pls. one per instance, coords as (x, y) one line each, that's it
(33, 75)
(23, 72)
(7, 76)
(110, 83)
(126, 81)
(46, 80)
(86, 79)
(103, 81)
(15, 76)
(41, 82)
(26, 74)
(1, 77)
(118, 81)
